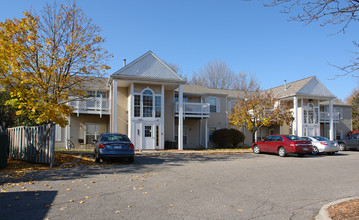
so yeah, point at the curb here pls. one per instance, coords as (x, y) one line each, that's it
(189, 152)
(323, 213)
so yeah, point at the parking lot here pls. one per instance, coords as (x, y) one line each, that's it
(236, 186)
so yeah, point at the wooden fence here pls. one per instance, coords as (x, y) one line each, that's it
(34, 144)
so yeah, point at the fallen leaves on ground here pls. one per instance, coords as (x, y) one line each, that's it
(345, 210)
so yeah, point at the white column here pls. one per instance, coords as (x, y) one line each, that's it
(162, 127)
(114, 106)
(130, 111)
(180, 118)
(68, 133)
(331, 128)
(295, 122)
(205, 134)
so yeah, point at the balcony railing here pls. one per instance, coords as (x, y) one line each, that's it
(91, 106)
(324, 117)
(191, 109)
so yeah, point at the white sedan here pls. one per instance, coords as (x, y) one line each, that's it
(322, 145)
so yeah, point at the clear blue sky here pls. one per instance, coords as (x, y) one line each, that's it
(249, 37)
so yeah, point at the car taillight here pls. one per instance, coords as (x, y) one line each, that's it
(323, 143)
(293, 145)
(132, 146)
(101, 146)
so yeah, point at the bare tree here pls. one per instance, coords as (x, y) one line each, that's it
(216, 75)
(335, 12)
(245, 82)
(177, 70)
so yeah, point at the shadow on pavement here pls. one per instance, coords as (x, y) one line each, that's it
(26, 205)
(142, 164)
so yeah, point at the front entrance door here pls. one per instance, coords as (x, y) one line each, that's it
(148, 136)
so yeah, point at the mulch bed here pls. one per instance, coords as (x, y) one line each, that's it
(348, 210)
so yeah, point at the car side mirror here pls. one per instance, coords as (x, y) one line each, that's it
(94, 141)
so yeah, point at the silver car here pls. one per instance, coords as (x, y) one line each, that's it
(322, 145)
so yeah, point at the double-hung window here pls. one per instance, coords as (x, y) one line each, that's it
(147, 104)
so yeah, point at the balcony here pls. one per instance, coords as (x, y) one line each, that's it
(324, 117)
(194, 110)
(93, 105)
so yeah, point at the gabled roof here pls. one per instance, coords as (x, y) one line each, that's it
(310, 86)
(148, 67)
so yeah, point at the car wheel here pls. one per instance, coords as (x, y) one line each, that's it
(256, 149)
(282, 152)
(301, 155)
(315, 151)
(342, 147)
(131, 159)
(97, 158)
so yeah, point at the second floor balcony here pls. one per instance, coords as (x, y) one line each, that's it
(325, 117)
(93, 105)
(194, 110)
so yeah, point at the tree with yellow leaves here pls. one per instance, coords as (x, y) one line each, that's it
(45, 59)
(260, 109)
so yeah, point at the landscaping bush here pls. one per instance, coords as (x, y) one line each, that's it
(227, 138)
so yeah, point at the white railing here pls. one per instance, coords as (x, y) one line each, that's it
(191, 109)
(324, 116)
(91, 105)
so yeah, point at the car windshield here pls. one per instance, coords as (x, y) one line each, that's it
(321, 139)
(294, 138)
(114, 137)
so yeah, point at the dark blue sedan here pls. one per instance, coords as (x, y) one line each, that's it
(113, 145)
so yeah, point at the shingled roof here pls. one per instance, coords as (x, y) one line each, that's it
(148, 67)
(310, 86)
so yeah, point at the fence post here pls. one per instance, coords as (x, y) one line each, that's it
(52, 145)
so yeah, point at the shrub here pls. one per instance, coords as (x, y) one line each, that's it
(227, 138)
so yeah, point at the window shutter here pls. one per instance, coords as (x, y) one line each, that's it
(58, 133)
(218, 102)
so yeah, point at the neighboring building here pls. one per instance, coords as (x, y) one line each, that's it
(150, 103)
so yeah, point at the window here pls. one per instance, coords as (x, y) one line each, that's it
(147, 104)
(101, 94)
(137, 106)
(147, 97)
(148, 131)
(158, 106)
(184, 135)
(213, 104)
(339, 112)
(93, 131)
(310, 114)
(185, 98)
(91, 94)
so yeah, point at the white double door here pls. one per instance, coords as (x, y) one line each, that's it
(147, 135)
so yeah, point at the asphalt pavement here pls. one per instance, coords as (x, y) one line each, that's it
(186, 186)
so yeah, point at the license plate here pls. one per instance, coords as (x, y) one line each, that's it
(305, 148)
(117, 147)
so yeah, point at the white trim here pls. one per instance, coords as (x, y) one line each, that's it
(130, 107)
(331, 128)
(114, 106)
(162, 145)
(180, 118)
(295, 109)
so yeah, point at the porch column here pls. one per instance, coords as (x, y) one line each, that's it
(68, 133)
(114, 106)
(130, 110)
(180, 118)
(205, 134)
(331, 128)
(295, 109)
(162, 127)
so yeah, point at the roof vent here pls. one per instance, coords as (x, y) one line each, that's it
(124, 62)
(285, 84)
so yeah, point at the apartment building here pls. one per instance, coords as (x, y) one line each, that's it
(150, 103)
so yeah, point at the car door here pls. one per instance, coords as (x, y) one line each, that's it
(352, 141)
(265, 143)
(277, 141)
(271, 146)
